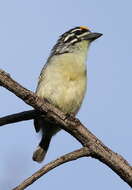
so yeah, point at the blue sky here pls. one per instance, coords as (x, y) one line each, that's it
(28, 30)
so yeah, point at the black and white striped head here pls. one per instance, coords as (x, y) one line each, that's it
(68, 40)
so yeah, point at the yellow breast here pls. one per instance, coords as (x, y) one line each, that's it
(63, 82)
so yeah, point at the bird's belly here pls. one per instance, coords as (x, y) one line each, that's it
(63, 82)
(70, 96)
(66, 95)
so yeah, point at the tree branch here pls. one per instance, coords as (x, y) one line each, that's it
(22, 116)
(73, 126)
(59, 161)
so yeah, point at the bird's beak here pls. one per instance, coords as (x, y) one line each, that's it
(93, 36)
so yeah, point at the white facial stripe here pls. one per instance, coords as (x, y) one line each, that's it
(84, 34)
(67, 37)
(74, 40)
(76, 30)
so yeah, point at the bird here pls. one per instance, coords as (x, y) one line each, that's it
(63, 81)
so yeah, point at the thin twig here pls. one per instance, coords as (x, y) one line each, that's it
(22, 116)
(59, 161)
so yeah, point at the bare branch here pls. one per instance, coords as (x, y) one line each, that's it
(22, 116)
(72, 126)
(59, 161)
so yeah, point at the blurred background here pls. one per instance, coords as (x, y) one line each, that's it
(28, 30)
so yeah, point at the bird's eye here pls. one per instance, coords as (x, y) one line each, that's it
(78, 32)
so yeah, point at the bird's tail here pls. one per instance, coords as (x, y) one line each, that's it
(41, 150)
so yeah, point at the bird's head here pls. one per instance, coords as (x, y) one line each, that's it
(76, 39)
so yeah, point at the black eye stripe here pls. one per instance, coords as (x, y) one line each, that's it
(78, 32)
